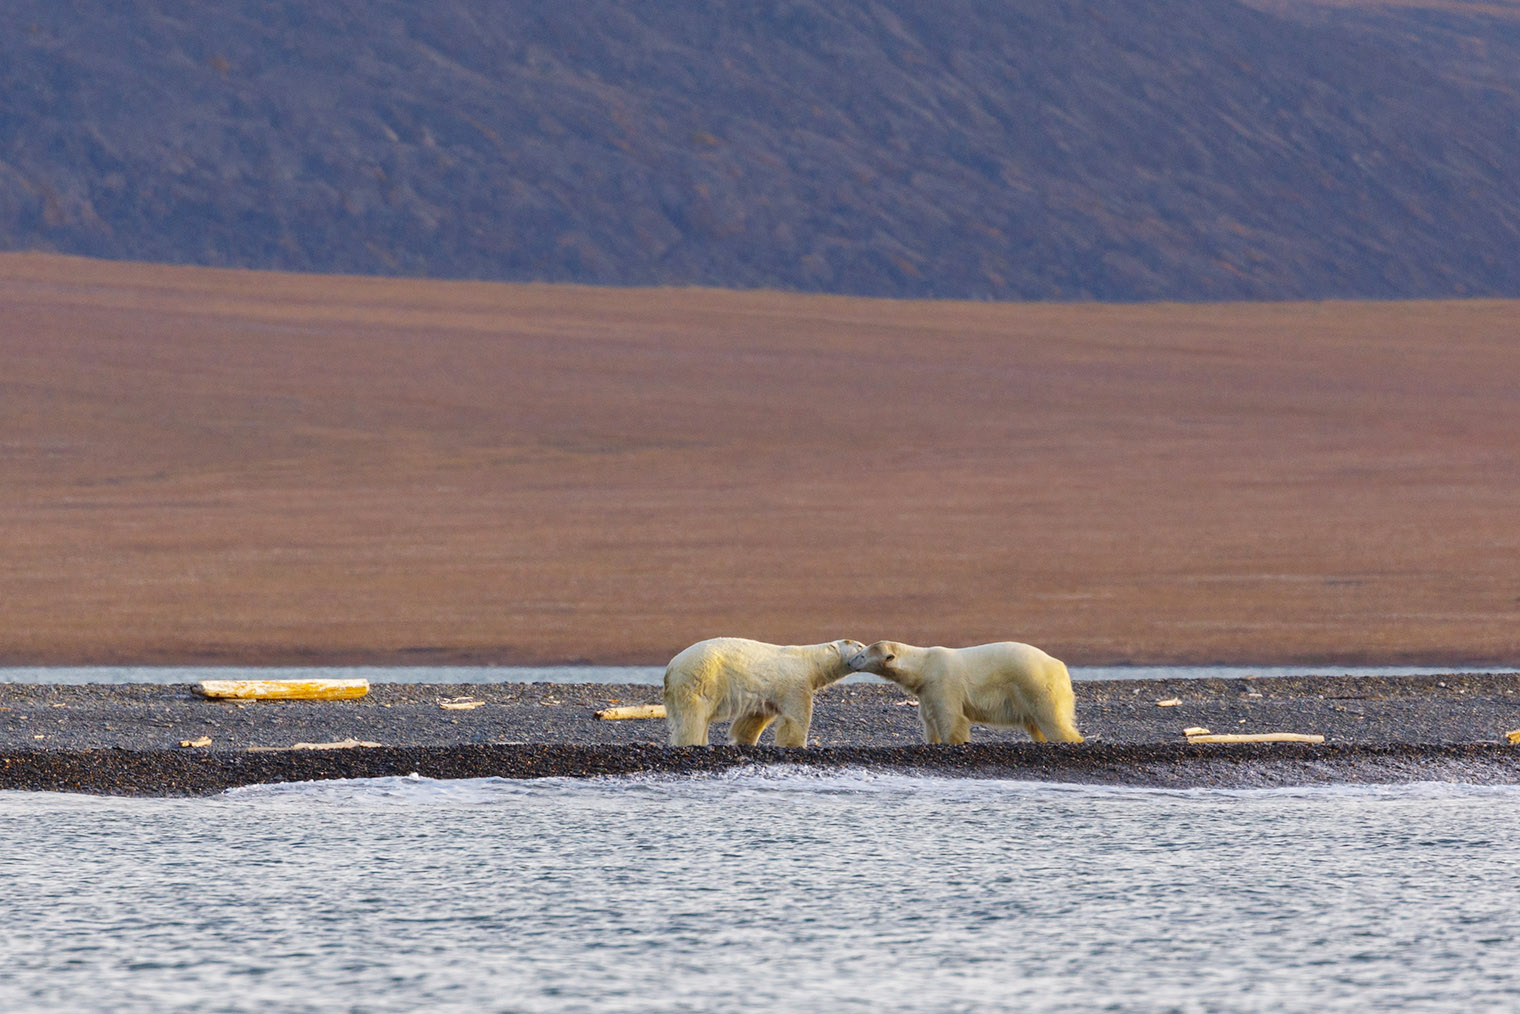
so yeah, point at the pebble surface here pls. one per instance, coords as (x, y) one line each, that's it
(126, 739)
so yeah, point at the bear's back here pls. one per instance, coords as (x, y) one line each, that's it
(1003, 662)
(1000, 655)
(1011, 683)
(727, 663)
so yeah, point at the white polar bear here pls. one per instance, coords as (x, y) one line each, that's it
(751, 684)
(1004, 683)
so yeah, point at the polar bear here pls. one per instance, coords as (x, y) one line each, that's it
(1003, 683)
(752, 684)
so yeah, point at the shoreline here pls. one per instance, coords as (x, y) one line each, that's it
(165, 773)
(125, 739)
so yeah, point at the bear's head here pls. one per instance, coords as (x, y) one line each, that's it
(848, 649)
(878, 658)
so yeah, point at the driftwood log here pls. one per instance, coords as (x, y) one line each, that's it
(1256, 737)
(632, 711)
(284, 690)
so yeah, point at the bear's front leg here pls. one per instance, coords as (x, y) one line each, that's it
(796, 718)
(746, 730)
(939, 721)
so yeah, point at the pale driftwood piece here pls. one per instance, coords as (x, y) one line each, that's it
(1170, 702)
(460, 704)
(1257, 737)
(202, 741)
(1513, 736)
(284, 690)
(632, 711)
(342, 744)
(1196, 730)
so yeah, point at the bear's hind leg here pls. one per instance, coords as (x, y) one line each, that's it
(1059, 729)
(687, 728)
(746, 730)
(1066, 732)
(1034, 731)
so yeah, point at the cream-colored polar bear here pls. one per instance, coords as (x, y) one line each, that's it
(1004, 683)
(751, 684)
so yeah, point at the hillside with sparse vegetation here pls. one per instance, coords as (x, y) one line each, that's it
(1051, 149)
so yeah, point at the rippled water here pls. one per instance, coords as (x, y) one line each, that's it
(768, 890)
(374, 673)
(644, 674)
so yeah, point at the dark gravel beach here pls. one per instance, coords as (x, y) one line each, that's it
(126, 739)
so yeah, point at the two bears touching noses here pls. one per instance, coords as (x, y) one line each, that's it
(753, 684)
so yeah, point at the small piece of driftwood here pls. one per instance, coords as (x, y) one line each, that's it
(460, 703)
(200, 741)
(284, 690)
(341, 744)
(1257, 737)
(632, 711)
(1513, 736)
(1170, 702)
(1196, 730)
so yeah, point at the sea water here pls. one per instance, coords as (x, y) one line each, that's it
(762, 890)
(638, 674)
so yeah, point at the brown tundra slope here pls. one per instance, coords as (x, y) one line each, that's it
(233, 466)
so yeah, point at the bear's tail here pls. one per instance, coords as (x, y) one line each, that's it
(1065, 723)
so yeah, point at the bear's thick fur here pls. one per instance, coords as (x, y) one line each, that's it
(751, 684)
(1004, 683)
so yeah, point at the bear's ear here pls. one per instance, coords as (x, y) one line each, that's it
(889, 658)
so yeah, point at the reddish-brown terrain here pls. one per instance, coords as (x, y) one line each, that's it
(234, 466)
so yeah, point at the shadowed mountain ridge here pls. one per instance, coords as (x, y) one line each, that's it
(1180, 149)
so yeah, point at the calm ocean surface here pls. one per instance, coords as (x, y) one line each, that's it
(619, 674)
(762, 890)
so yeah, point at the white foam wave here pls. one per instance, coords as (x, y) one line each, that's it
(404, 790)
(819, 779)
(414, 790)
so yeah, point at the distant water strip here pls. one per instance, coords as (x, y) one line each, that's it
(636, 674)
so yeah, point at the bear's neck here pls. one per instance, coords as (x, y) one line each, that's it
(830, 676)
(908, 681)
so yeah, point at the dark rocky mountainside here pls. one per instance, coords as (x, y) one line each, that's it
(1042, 149)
